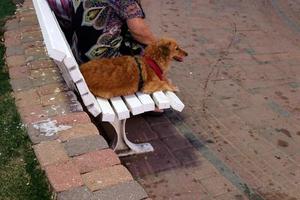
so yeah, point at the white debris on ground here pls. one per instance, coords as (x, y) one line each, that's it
(49, 127)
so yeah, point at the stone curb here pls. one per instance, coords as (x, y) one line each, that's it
(68, 146)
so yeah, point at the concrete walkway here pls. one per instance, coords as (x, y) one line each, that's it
(241, 86)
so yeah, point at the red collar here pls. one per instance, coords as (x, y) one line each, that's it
(158, 71)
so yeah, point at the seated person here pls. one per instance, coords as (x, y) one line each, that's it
(103, 28)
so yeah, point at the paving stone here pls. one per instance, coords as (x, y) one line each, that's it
(217, 185)
(45, 80)
(12, 38)
(14, 51)
(164, 129)
(73, 118)
(32, 114)
(15, 61)
(28, 21)
(36, 136)
(27, 98)
(63, 176)
(50, 152)
(21, 84)
(176, 142)
(54, 99)
(52, 89)
(188, 156)
(106, 177)
(77, 131)
(123, 191)
(41, 64)
(79, 146)
(96, 160)
(80, 193)
(161, 159)
(137, 165)
(18, 72)
(154, 120)
(139, 130)
(11, 24)
(34, 50)
(232, 196)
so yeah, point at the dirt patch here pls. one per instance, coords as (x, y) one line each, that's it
(284, 131)
(277, 196)
(282, 143)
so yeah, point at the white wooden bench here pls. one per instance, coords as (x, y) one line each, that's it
(115, 110)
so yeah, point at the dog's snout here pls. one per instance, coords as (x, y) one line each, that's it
(184, 52)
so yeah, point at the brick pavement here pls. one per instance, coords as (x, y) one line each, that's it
(74, 155)
(241, 87)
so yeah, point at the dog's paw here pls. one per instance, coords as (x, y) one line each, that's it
(173, 88)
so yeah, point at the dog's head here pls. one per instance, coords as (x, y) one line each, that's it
(166, 49)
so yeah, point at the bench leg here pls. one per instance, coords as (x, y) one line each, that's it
(122, 146)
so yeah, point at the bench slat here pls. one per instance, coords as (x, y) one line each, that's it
(88, 99)
(65, 74)
(175, 102)
(82, 88)
(146, 100)
(120, 108)
(161, 100)
(94, 108)
(134, 104)
(76, 75)
(108, 114)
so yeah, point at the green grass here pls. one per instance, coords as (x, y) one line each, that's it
(20, 175)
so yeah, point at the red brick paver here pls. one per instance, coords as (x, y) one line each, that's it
(106, 177)
(64, 176)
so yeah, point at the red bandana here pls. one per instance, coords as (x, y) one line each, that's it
(158, 71)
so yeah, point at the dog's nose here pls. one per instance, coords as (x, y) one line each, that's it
(185, 53)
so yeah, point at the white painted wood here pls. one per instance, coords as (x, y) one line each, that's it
(82, 88)
(123, 146)
(175, 102)
(76, 75)
(161, 100)
(146, 100)
(88, 99)
(134, 104)
(70, 61)
(50, 30)
(120, 108)
(65, 75)
(108, 114)
(94, 108)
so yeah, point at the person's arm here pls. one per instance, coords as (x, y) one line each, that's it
(140, 31)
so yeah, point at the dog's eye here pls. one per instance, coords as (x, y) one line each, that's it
(176, 48)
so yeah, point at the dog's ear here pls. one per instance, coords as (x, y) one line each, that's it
(165, 49)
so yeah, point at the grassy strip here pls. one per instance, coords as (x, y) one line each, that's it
(20, 176)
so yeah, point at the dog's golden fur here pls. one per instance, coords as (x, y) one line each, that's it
(110, 77)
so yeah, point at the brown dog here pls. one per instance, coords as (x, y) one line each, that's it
(126, 75)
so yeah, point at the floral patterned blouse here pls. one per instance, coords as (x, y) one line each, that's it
(100, 27)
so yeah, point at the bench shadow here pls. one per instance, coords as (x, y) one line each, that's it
(171, 149)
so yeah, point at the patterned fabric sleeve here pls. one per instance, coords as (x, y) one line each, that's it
(128, 9)
(62, 8)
